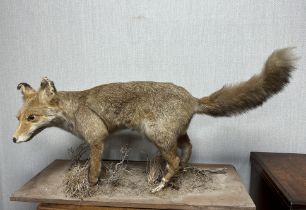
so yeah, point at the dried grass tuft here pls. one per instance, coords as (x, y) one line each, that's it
(114, 172)
(119, 179)
(189, 177)
(76, 178)
(76, 183)
(79, 153)
(156, 167)
(192, 178)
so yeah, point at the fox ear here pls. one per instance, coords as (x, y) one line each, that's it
(26, 90)
(47, 90)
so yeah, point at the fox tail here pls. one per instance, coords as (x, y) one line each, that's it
(239, 98)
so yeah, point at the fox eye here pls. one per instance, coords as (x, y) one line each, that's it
(31, 117)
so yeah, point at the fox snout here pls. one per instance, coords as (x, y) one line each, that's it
(27, 130)
(22, 134)
(15, 140)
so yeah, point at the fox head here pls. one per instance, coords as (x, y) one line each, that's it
(39, 110)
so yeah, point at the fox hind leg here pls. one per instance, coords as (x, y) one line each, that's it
(173, 161)
(186, 148)
(165, 138)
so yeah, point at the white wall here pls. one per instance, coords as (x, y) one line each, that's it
(200, 45)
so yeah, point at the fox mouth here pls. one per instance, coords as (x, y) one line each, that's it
(37, 131)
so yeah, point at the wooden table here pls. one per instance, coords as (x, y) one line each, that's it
(278, 181)
(46, 188)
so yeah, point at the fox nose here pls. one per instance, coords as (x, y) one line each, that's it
(14, 140)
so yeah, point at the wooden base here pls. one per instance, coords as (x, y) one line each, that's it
(46, 188)
(50, 206)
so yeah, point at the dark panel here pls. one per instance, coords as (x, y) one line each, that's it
(278, 181)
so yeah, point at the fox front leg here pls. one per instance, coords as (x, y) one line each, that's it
(96, 151)
(94, 131)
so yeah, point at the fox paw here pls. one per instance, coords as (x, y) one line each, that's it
(92, 181)
(161, 186)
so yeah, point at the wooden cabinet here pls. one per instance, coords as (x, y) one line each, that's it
(278, 181)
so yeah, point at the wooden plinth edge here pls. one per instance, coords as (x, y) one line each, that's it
(50, 206)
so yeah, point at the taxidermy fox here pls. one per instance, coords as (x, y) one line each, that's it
(161, 111)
